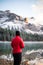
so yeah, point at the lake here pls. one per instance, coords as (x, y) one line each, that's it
(5, 46)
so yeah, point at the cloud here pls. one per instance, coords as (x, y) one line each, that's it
(38, 10)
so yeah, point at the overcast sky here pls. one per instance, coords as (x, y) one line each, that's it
(25, 8)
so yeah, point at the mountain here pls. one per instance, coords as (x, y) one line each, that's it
(9, 19)
(8, 16)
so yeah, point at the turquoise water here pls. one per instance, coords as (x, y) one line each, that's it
(5, 47)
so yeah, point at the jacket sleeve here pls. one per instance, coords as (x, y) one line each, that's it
(22, 44)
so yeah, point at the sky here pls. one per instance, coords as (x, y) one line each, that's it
(25, 8)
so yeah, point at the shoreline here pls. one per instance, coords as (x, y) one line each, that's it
(6, 62)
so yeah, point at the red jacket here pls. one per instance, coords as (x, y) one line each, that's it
(17, 44)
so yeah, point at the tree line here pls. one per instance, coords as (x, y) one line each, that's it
(7, 34)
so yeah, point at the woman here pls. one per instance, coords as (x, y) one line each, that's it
(17, 45)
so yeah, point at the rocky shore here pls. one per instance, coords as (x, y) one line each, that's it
(5, 62)
(28, 58)
(25, 62)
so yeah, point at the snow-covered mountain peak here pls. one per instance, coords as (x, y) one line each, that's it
(12, 20)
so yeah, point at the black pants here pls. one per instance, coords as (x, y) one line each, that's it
(17, 58)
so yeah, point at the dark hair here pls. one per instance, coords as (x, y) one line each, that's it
(17, 33)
